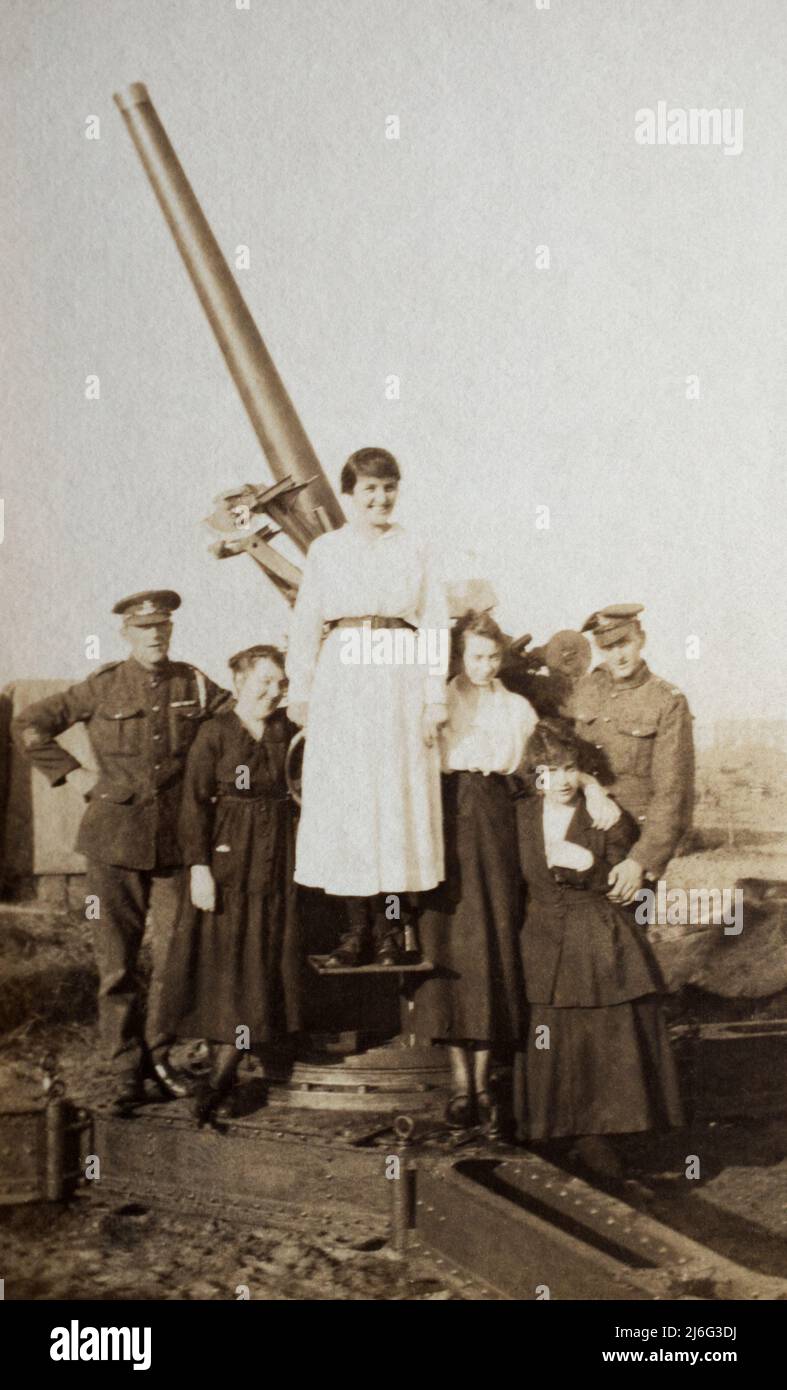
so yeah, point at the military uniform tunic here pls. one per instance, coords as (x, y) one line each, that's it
(141, 723)
(642, 728)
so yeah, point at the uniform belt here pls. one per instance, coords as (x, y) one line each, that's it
(374, 621)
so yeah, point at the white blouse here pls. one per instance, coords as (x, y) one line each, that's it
(350, 575)
(561, 852)
(487, 728)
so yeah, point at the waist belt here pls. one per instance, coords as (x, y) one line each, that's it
(372, 621)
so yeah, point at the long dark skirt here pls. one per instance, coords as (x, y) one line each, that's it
(607, 1070)
(239, 966)
(469, 925)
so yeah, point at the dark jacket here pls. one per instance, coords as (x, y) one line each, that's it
(141, 725)
(236, 811)
(642, 729)
(579, 950)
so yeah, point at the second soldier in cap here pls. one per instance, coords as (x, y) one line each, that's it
(642, 726)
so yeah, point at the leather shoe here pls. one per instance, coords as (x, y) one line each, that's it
(459, 1112)
(597, 1155)
(129, 1093)
(387, 951)
(207, 1100)
(349, 951)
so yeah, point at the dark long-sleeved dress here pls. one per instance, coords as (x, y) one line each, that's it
(240, 965)
(592, 979)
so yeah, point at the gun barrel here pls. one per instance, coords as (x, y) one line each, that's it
(268, 405)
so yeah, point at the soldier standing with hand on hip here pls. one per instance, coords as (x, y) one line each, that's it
(642, 726)
(142, 716)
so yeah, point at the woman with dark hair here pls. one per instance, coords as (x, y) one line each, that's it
(469, 925)
(370, 828)
(233, 972)
(597, 1060)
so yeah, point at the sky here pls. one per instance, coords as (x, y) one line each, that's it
(520, 386)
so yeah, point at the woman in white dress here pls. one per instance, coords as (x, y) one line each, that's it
(367, 663)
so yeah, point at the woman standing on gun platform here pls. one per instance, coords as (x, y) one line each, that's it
(370, 823)
(235, 959)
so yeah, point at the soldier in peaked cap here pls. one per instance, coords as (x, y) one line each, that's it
(142, 716)
(642, 727)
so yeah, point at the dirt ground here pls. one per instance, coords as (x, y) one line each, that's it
(110, 1248)
(93, 1249)
(101, 1246)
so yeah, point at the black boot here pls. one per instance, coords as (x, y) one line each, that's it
(387, 934)
(128, 1094)
(211, 1094)
(387, 941)
(597, 1155)
(350, 951)
(388, 946)
(352, 947)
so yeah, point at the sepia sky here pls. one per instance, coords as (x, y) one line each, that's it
(519, 387)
